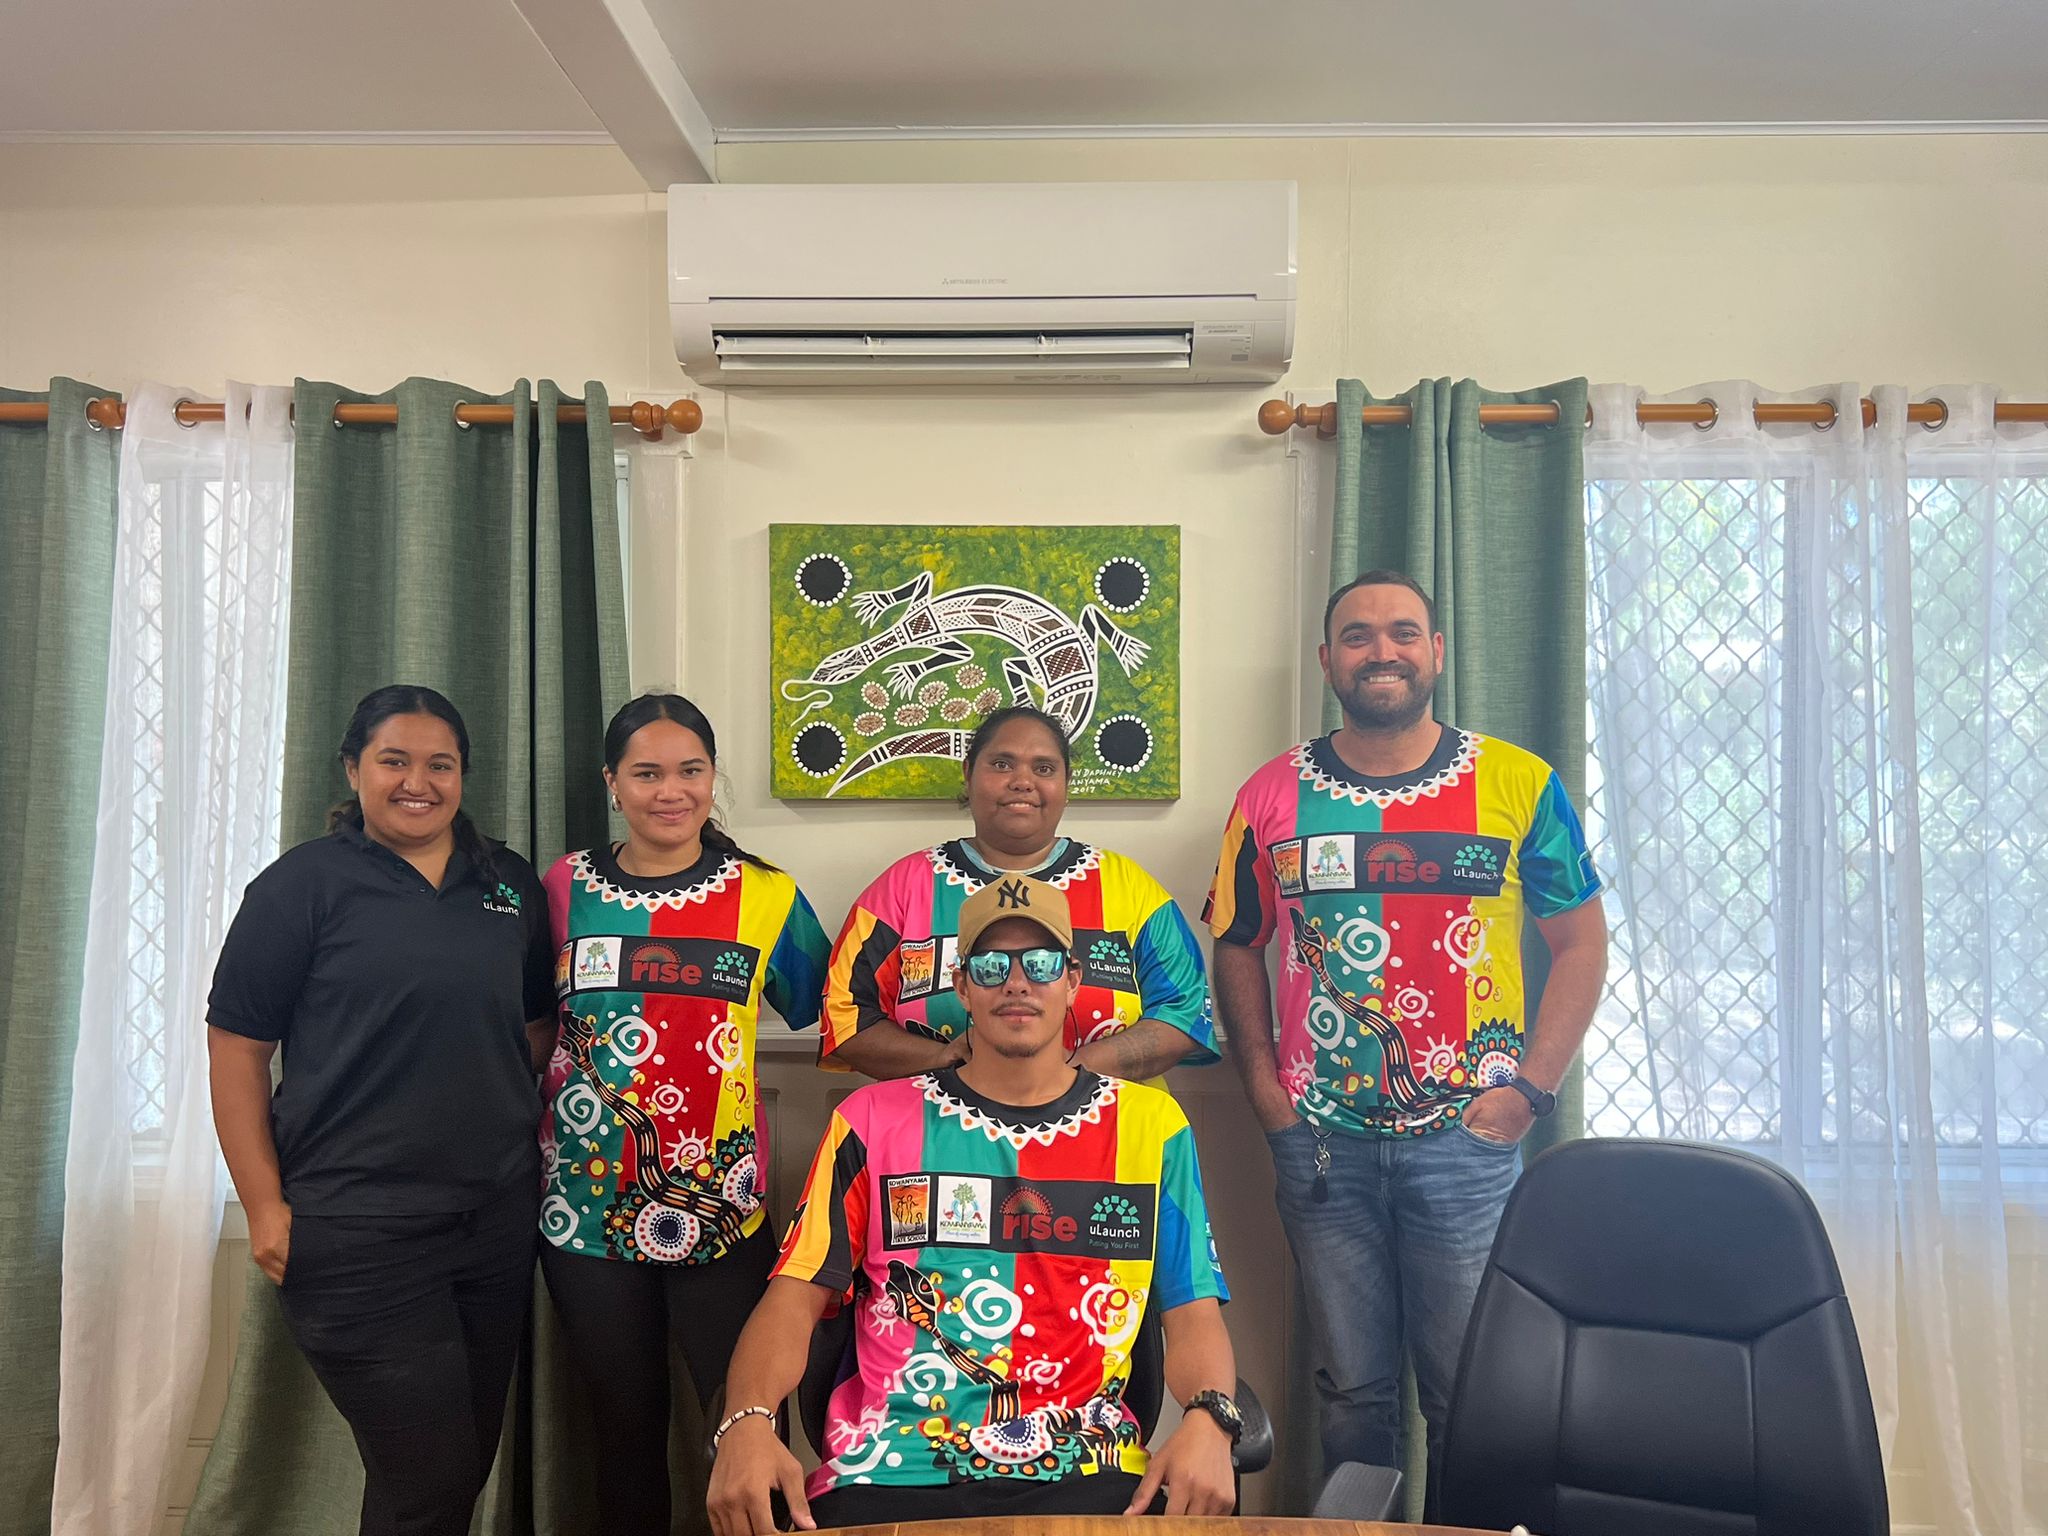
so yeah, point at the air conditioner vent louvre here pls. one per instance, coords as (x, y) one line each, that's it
(952, 352)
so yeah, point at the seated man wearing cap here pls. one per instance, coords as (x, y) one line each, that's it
(999, 1229)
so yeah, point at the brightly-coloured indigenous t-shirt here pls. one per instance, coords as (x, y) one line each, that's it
(1000, 1262)
(1399, 904)
(895, 957)
(648, 1145)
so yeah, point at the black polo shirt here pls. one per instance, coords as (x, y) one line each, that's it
(407, 1086)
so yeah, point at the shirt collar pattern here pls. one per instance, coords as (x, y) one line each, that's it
(988, 1118)
(583, 870)
(948, 860)
(1464, 753)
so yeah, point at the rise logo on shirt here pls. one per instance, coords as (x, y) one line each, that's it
(720, 968)
(1088, 1217)
(1410, 864)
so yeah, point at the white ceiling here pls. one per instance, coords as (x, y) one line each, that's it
(428, 69)
(1129, 63)
(280, 69)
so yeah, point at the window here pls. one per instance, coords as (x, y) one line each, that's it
(1818, 790)
(182, 528)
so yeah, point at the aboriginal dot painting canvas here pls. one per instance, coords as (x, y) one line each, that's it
(888, 644)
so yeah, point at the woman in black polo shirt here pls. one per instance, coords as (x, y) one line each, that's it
(392, 1182)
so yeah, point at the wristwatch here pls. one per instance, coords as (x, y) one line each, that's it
(1540, 1103)
(1219, 1408)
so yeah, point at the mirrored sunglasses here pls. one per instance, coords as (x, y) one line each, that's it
(991, 967)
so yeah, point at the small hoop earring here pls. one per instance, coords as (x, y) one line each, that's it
(615, 804)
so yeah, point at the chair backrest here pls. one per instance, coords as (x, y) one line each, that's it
(830, 1362)
(1661, 1343)
(1145, 1387)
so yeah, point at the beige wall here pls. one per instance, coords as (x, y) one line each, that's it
(1662, 262)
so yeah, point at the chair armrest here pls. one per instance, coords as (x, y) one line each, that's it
(1359, 1491)
(1254, 1449)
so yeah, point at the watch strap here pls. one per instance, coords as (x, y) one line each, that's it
(1226, 1413)
(1541, 1102)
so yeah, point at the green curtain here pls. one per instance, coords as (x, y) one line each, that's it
(57, 507)
(482, 561)
(1492, 522)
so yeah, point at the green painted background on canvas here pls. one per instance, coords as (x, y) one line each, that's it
(1059, 565)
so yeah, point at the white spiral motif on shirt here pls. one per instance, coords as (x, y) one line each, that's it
(667, 1099)
(1111, 1312)
(1038, 1373)
(1325, 1022)
(557, 1220)
(1465, 940)
(1413, 1002)
(926, 1373)
(550, 1157)
(990, 1308)
(578, 1109)
(725, 1047)
(860, 1460)
(1363, 944)
(633, 1041)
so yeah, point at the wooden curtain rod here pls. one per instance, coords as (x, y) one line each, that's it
(1276, 416)
(643, 416)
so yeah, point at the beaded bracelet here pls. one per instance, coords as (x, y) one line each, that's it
(733, 1418)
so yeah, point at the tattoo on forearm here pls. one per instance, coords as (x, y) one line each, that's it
(1132, 1058)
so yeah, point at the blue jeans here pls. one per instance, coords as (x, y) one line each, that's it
(1394, 1255)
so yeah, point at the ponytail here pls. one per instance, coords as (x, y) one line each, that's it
(718, 840)
(477, 847)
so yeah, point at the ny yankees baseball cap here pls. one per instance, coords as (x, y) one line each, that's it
(1016, 896)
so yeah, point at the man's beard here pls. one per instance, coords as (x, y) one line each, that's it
(1014, 1050)
(1372, 710)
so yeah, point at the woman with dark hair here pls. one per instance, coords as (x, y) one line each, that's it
(1144, 1000)
(666, 943)
(403, 963)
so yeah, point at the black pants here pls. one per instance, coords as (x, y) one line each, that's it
(619, 1318)
(412, 1324)
(1102, 1493)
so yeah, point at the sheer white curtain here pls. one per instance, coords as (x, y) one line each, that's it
(189, 780)
(1819, 687)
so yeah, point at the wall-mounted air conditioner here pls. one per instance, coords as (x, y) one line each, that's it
(1031, 283)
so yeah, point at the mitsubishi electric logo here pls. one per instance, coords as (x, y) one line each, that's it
(973, 282)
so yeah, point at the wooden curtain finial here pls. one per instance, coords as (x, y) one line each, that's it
(1275, 417)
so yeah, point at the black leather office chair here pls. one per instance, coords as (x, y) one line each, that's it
(1661, 1344)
